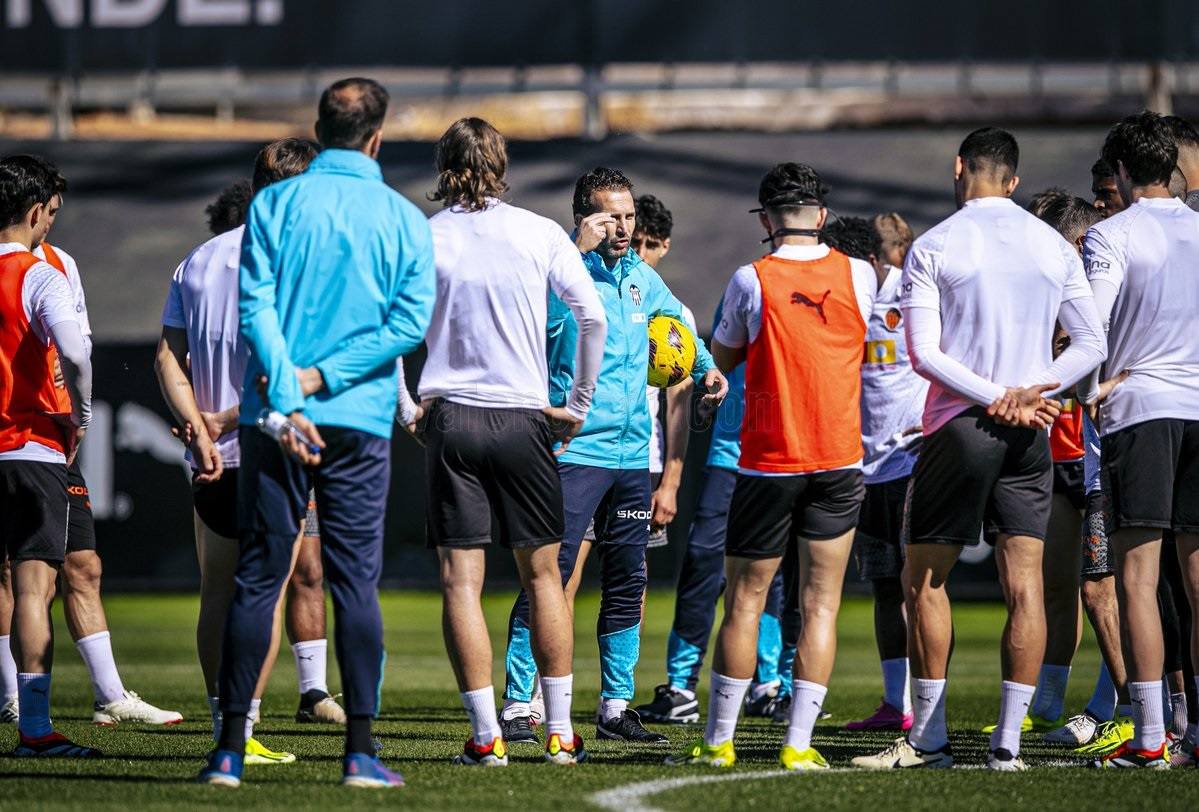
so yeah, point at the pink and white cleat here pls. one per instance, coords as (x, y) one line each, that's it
(885, 717)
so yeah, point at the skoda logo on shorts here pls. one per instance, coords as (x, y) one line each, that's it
(640, 515)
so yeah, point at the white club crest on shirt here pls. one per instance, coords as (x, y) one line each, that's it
(635, 295)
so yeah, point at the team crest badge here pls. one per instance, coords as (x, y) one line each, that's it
(892, 319)
(635, 294)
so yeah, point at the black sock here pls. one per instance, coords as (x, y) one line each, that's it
(233, 732)
(358, 735)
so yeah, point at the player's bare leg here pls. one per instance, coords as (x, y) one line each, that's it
(305, 618)
(9, 705)
(1188, 559)
(1138, 553)
(1061, 563)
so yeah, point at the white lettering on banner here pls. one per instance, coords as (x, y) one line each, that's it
(141, 13)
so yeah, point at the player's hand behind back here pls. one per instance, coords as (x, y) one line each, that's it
(1026, 407)
(564, 425)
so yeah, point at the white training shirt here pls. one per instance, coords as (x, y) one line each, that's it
(202, 300)
(76, 283)
(741, 308)
(657, 430)
(49, 306)
(892, 393)
(1143, 265)
(980, 295)
(487, 337)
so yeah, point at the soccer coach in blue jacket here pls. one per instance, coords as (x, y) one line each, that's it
(337, 281)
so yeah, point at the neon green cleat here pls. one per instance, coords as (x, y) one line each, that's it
(1108, 738)
(801, 760)
(1025, 726)
(257, 753)
(706, 755)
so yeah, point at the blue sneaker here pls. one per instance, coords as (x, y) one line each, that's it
(361, 770)
(223, 770)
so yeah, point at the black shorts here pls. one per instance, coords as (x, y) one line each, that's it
(34, 510)
(1070, 481)
(877, 547)
(1151, 475)
(484, 464)
(216, 504)
(81, 533)
(768, 512)
(972, 469)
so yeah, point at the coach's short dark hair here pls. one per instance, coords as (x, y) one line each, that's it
(990, 149)
(854, 237)
(25, 181)
(1070, 216)
(228, 211)
(282, 159)
(1145, 146)
(600, 179)
(351, 111)
(1184, 133)
(654, 218)
(1041, 200)
(1102, 169)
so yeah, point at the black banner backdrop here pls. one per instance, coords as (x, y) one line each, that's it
(129, 35)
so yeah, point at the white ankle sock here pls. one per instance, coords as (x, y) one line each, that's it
(556, 691)
(1149, 727)
(8, 670)
(1178, 708)
(895, 684)
(311, 665)
(928, 714)
(612, 708)
(724, 705)
(34, 693)
(1014, 699)
(806, 701)
(252, 717)
(1051, 691)
(480, 707)
(96, 651)
(214, 707)
(1102, 704)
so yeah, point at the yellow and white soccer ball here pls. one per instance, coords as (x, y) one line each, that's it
(671, 351)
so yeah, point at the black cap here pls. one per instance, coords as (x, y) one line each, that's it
(791, 184)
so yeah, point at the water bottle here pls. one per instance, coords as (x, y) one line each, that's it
(276, 424)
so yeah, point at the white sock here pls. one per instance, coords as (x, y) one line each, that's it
(806, 701)
(556, 691)
(1014, 699)
(34, 693)
(928, 714)
(214, 707)
(96, 651)
(724, 705)
(514, 708)
(310, 665)
(480, 707)
(1149, 727)
(8, 670)
(757, 690)
(895, 684)
(1051, 691)
(612, 708)
(1178, 706)
(1102, 704)
(252, 717)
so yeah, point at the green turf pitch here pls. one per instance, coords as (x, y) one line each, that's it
(423, 726)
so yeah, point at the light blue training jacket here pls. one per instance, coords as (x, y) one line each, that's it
(617, 430)
(336, 272)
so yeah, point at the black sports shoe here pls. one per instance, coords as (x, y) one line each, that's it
(780, 714)
(670, 706)
(518, 730)
(628, 728)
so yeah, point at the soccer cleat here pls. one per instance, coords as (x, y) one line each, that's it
(557, 751)
(1126, 756)
(258, 755)
(368, 772)
(628, 728)
(1186, 754)
(1033, 724)
(518, 730)
(705, 755)
(131, 709)
(1002, 760)
(1077, 731)
(670, 706)
(1108, 737)
(10, 711)
(52, 745)
(902, 755)
(781, 713)
(223, 769)
(483, 755)
(318, 707)
(764, 705)
(801, 760)
(885, 717)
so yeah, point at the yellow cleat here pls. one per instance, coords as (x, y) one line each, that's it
(257, 753)
(1108, 738)
(801, 760)
(705, 755)
(1025, 726)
